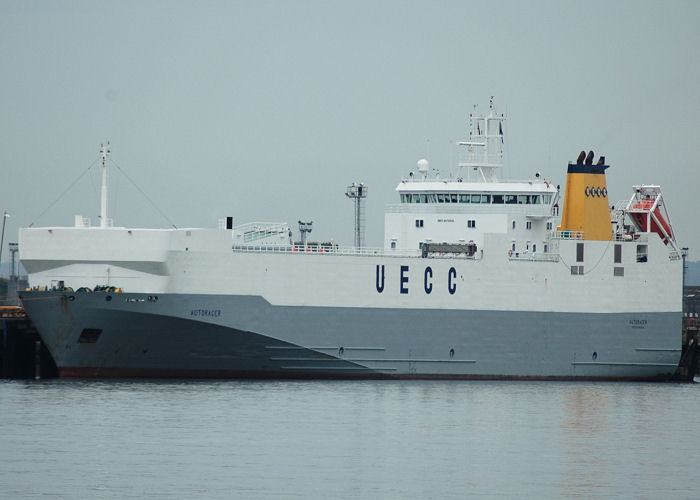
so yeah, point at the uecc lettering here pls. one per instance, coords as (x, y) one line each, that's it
(403, 279)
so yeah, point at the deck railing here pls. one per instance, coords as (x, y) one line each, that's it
(568, 235)
(324, 250)
(536, 257)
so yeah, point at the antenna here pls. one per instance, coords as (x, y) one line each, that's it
(357, 192)
(423, 167)
(104, 222)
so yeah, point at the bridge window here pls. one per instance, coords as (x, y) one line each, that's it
(498, 198)
(511, 199)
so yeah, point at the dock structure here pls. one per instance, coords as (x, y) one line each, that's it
(689, 366)
(22, 353)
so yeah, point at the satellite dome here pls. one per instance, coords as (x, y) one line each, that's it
(422, 165)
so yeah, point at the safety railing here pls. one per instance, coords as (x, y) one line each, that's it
(534, 257)
(323, 250)
(568, 235)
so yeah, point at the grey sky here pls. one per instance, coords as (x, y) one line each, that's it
(267, 110)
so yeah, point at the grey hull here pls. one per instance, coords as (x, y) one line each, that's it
(175, 335)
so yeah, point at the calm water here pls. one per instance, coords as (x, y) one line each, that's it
(262, 439)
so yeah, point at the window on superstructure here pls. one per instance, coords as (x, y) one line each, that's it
(464, 198)
(440, 198)
(513, 224)
(498, 198)
(424, 198)
(512, 246)
(549, 226)
(476, 198)
(485, 198)
(642, 253)
(547, 198)
(535, 199)
(454, 197)
(522, 199)
(618, 254)
(419, 222)
(431, 198)
(534, 247)
(511, 199)
(579, 252)
(528, 225)
(544, 245)
(471, 223)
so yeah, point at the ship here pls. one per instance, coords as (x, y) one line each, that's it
(478, 278)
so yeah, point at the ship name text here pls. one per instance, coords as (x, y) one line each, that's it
(212, 313)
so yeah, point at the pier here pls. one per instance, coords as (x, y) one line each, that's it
(689, 366)
(22, 353)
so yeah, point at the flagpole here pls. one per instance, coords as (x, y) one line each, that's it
(5, 215)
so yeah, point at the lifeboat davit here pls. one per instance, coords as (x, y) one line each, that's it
(657, 220)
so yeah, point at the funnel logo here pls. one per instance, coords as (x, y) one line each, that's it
(596, 192)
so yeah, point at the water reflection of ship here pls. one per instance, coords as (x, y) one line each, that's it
(584, 426)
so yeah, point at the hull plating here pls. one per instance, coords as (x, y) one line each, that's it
(225, 336)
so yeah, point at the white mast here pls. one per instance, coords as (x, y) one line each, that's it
(485, 145)
(103, 209)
